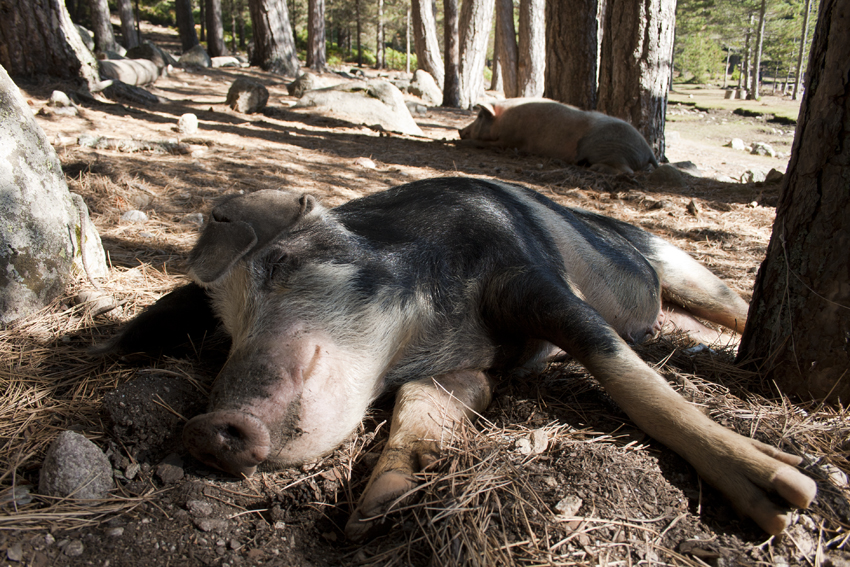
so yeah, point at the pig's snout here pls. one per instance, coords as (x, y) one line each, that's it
(233, 441)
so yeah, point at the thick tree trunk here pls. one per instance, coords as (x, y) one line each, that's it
(274, 46)
(185, 24)
(635, 68)
(798, 327)
(755, 74)
(451, 90)
(37, 37)
(425, 40)
(316, 59)
(128, 23)
(215, 29)
(476, 20)
(572, 52)
(507, 46)
(804, 36)
(532, 47)
(104, 39)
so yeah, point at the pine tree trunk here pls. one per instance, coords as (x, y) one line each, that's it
(316, 35)
(798, 84)
(451, 90)
(425, 40)
(274, 46)
(215, 29)
(496, 75)
(507, 46)
(798, 328)
(37, 37)
(185, 24)
(755, 74)
(635, 68)
(572, 52)
(407, 43)
(532, 48)
(379, 37)
(104, 39)
(476, 20)
(128, 23)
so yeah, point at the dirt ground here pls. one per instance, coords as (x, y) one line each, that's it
(596, 491)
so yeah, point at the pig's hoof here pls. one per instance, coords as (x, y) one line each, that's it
(375, 502)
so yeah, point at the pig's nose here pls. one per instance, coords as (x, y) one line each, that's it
(232, 441)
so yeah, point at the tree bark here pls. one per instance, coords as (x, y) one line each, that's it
(532, 47)
(104, 39)
(803, 38)
(799, 321)
(274, 46)
(407, 43)
(185, 24)
(755, 74)
(496, 83)
(635, 67)
(425, 40)
(128, 24)
(572, 52)
(379, 37)
(316, 59)
(359, 33)
(451, 90)
(37, 37)
(507, 47)
(215, 29)
(476, 20)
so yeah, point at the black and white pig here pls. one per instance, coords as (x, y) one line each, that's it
(424, 289)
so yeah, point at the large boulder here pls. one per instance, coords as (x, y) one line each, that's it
(130, 71)
(247, 96)
(425, 87)
(42, 226)
(152, 52)
(372, 103)
(195, 57)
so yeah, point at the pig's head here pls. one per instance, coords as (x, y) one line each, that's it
(305, 360)
(482, 128)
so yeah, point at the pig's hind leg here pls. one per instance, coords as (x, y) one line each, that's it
(426, 416)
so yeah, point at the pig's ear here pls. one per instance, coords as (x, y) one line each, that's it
(220, 246)
(487, 109)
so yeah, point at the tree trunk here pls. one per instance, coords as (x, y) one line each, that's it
(215, 29)
(274, 46)
(804, 36)
(202, 5)
(425, 40)
(572, 52)
(451, 90)
(755, 74)
(316, 59)
(726, 69)
(379, 37)
(43, 226)
(185, 24)
(532, 47)
(407, 43)
(104, 39)
(635, 71)
(476, 20)
(496, 83)
(507, 47)
(128, 24)
(37, 37)
(359, 33)
(799, 320)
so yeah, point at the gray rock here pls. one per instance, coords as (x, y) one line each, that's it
(44, 225)
(73, 548)
(763, 149)
(75, 467)
(170, 470)
(774, 176)
(199, 508)
(688, 167)
(305, 82)
(153, 53)
(59, 99)
(425, 87)
(224, 61)
(193, 219)
(737, 144)
(195, 57)
(370, 103)
(247, 96)
(666, 174)
(187, 124)
(130, 71)
(416, 108)
(134, 216)
(211, 525)
(753, 176)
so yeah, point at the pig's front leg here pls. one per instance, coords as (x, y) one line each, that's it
(426, 415)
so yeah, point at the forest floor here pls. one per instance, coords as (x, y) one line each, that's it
(598, 493)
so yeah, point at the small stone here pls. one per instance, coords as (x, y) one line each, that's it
(74, 548)
(170, 470)
(193, 219)
(134, 216)
(15, 552)
(96, 302)
(736, 144)
(60, 99)
(569, 506)
(131, 471)
(539, 441)
(762, 149)
(199, 508)
(774, 176)
(115, 532)
(210, 524)
(693, 208)
(365, 162)
(187, 124)
(753, 176)
(75, 467)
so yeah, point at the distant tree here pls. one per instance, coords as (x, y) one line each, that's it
(185, 24)
(425, 40)
(451, 41)
(476, 20)
(274, 46)
(128, 23)
(803, 36)
(215, 29)
(799, 320)
(316, 58)
(380, 61)
(104, 39)
(572, 51)
(506, 46)
(755, 73)
(636, 65)
(532, 48)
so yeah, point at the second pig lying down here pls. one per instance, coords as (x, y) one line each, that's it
(547, 128)
(424, 290)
